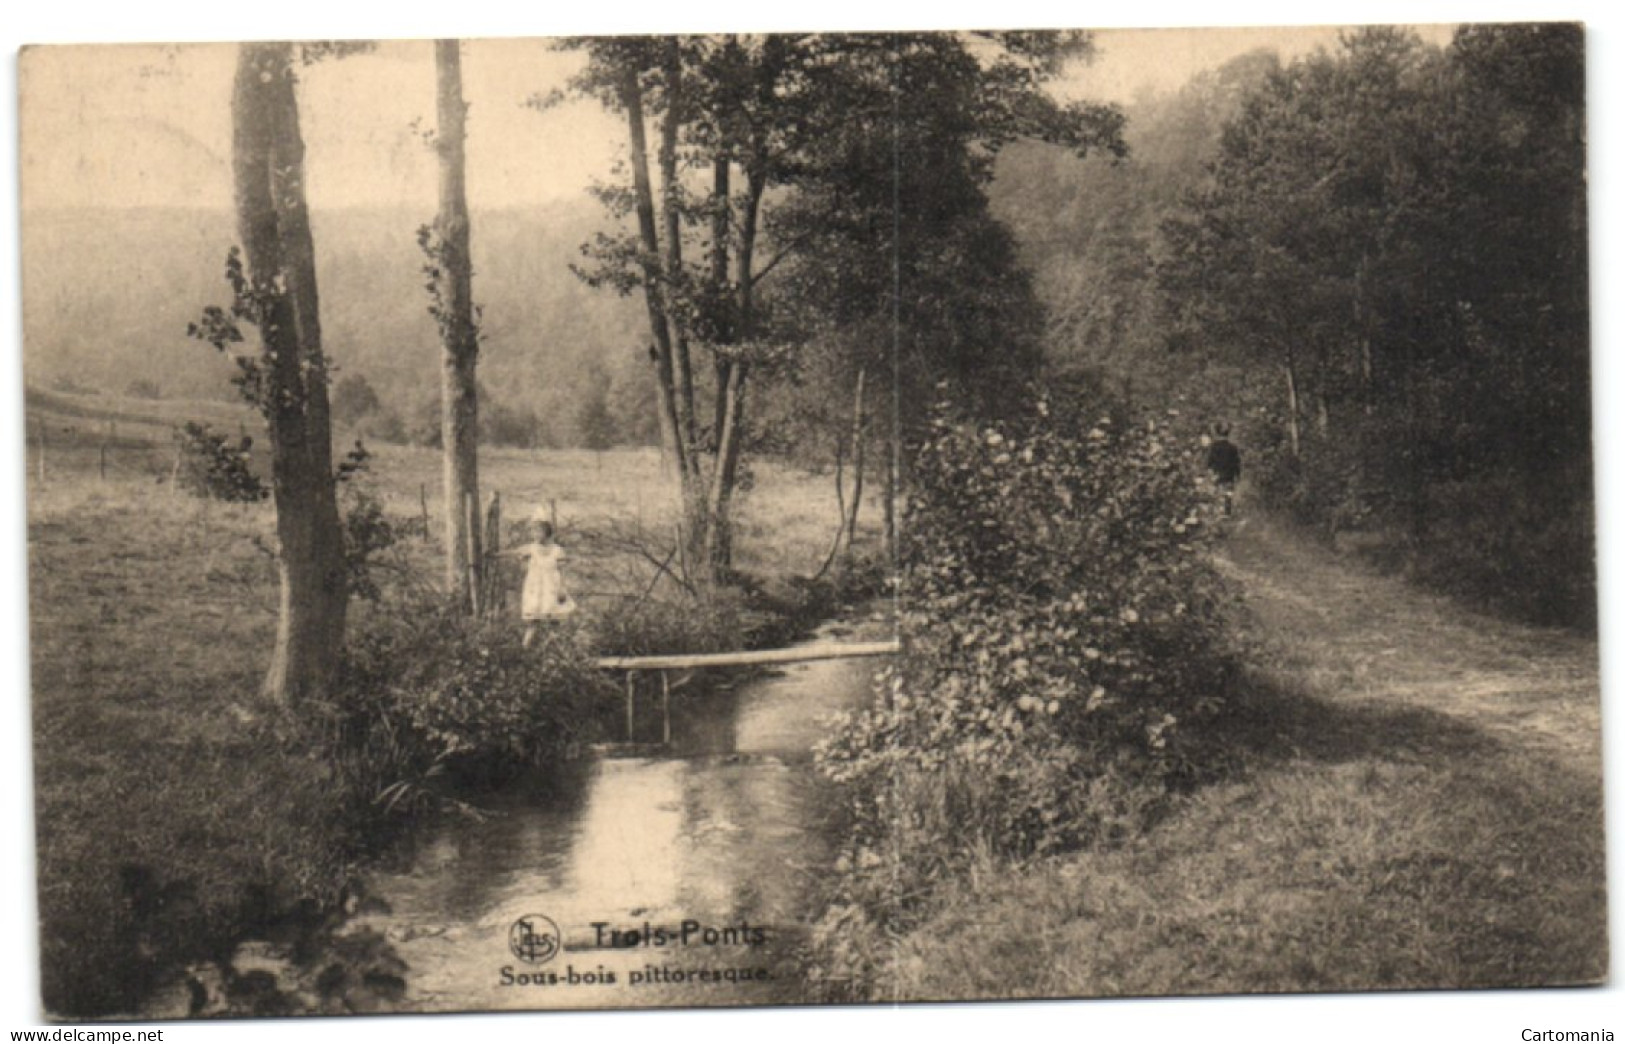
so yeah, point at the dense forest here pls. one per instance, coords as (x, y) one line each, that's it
(1371, 262)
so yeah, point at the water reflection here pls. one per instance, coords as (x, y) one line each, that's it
(632, 822)
(700, 861)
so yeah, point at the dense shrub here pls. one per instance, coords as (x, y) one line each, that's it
(1524, 548)
(434, 689)
(368, 533)
(353, 400)
(682, 625)
(1458, 514)
(214, 466)
(383, 425)
(1064, 628)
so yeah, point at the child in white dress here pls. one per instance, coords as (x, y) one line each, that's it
(543, 598)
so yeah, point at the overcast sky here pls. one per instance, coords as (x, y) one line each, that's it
(149, 125)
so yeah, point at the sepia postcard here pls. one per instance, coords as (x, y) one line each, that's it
(827, 518)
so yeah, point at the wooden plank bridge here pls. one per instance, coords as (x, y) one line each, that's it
(757, 657)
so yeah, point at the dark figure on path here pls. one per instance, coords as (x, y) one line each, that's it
(1224, 460)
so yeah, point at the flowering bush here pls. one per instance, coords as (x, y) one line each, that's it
(1064, 629)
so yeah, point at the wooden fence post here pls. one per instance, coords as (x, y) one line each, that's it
(629, 691)
(471, 512)
(494, 596)
(423, 503)
(665, 708)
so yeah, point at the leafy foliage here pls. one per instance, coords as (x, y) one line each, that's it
(216, 467)
(1401, 232)
(368, 532)
(1372, 261)
(251, 304)
(354, 400)
(824, 154)
(1065, 632)
(462, 692)
(437, 255)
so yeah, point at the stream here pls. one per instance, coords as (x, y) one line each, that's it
(679, 879)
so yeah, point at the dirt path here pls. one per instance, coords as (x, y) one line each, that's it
(1344, 632)
(1408, 795)
(1404, 795)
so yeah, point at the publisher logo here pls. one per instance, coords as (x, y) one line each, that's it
(535, 939)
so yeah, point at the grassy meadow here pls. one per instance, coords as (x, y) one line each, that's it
(171, 807)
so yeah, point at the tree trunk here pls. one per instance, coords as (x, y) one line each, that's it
(719, 543)
(494, 595)
(721, 232)
(1293, 432)
(1362, 328)
(671, 201)
(719, 531)
(840, 509)
(660, 352)
(888, 505)
(858, 424)
(272, 223)
(459, 401)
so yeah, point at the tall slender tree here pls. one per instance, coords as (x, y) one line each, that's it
(451, 289)
(274, 280)
(769, 109)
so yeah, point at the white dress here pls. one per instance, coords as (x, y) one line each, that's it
(544, 597)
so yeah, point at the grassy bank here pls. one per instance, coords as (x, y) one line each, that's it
(1404, 796)
(163, 806)
(175, 813)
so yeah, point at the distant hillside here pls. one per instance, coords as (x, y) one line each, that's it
(107, 295)
(1089, 229)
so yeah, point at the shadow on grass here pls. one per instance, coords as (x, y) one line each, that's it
(1268, 723)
